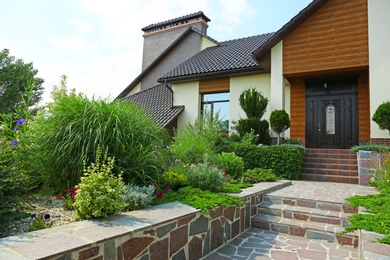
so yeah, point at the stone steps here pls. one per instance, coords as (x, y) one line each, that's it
(331, 165)
(307, 218)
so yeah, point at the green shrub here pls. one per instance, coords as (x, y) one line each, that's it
(136, 197)
(174, 180)
(100, 192)
(371, 147)
(260, 128)
(280, 122)
(382, 116)
(231, 163)
(196, 140)
(205, 177)
(70, 132)
(258, 175)
(286, 161)
(253, 103)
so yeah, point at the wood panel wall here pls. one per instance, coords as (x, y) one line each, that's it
(334, 37)
(297, 109)
(364, 108)
(214, 86)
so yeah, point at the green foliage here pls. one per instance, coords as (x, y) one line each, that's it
(260, 129)
(381, 172)
(14, 75)
(205, 200)
(196, 140)
(174, 180)
(205, 177)
(39, 222)
(382, 116)
(378, 219)
(70, 132)
(286, 161)
(230, 187)
(100, 192)
(136, 197)
(231, 163)
(258, 175)
(253, 103)
(370, 147)
(280, 122)
(291, 141)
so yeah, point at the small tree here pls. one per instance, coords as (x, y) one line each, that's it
(382, 116)
(254, 105)
(279, 121)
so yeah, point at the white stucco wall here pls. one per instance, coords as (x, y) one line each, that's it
(379, 58)
(238, 84)
(277, 79)
(187, 94)
(205, 43)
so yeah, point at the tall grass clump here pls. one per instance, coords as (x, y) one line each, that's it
(191, 143)
(73, 127)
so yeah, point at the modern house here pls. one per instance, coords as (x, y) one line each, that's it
(326, 67)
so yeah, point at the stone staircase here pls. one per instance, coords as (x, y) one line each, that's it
(331, 165)
(307, 218)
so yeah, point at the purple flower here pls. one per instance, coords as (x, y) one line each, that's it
(46, 217)
(14, 143)
(15, 128)
(20, 121)
(34, 216)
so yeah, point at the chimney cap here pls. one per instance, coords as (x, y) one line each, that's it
(179, 20)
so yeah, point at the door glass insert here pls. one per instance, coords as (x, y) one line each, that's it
(330, 120)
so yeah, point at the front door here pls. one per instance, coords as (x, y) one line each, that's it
(331, 113)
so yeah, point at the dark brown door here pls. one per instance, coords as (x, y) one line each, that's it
(331, 114)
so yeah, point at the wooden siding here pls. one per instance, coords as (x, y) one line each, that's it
(335, 37)
(297, 109)
(364, 108)
(214, 86)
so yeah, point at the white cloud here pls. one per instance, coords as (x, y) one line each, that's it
(82, 26)
(75, 43)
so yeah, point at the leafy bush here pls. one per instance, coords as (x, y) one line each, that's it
(174, 180)
(231, 163)
(279, 121)
(73, 127)
(100, 192)
(260, 128)
(286, 161)
(258, 175)
(370, 147)
(196, 140)
(136, 197)
(382, 116)
(205, 177)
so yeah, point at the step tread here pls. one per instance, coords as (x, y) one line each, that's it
(321, 227)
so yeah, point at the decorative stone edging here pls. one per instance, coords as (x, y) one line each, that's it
(169, 231)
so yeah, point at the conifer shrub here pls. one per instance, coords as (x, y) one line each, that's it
(174, 180)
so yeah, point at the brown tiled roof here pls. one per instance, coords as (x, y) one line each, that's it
(288, 28)
(158, 102)
(228, 56)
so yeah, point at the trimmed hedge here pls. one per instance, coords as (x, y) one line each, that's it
(286, 161)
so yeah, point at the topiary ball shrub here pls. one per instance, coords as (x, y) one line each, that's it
(231, 163)
(100, 192)
(382, 116)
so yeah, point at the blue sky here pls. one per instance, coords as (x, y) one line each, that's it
(98, 43)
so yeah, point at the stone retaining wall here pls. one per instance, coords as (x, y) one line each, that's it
(169, 231)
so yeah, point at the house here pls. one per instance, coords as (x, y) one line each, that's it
(326, 67)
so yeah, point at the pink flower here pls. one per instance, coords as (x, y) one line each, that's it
(167, 188)
(228, 179)
(225, 173)
(59, 196)
(159, 195)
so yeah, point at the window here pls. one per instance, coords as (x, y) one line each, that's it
(330, 120)
(217, 103)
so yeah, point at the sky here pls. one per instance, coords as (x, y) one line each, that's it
(98, 44)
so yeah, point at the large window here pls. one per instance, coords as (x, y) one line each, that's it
(217, 103)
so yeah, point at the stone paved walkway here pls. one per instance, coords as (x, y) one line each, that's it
(256, 244)
(259, 244)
